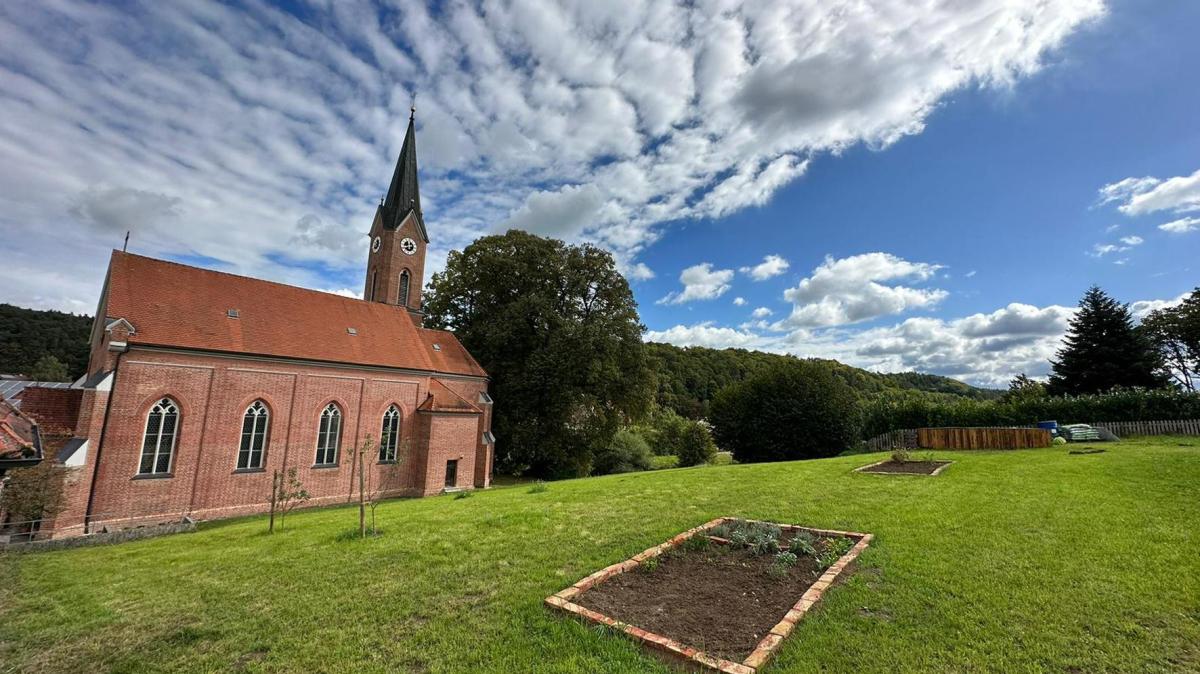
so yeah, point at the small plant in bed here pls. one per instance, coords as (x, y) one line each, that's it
(723, 594)
(902, 461)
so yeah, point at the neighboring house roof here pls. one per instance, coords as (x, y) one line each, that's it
(176, 305)
(11, 388)
(442, 398)
(19, 441)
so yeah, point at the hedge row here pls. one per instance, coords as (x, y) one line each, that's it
(907, 411)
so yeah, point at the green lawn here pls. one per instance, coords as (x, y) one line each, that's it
(1009, 561)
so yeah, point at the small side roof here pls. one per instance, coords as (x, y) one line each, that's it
(443, 399)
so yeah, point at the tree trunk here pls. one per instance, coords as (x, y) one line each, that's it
(362, 512)
(274, 496)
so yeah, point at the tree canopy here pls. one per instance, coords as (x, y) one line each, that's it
(29, 335)
(1104, 350)
(798, 410)
(1175, 332)
(557, 329)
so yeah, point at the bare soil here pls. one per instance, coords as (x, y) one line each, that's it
(719, 599)
(907, 467)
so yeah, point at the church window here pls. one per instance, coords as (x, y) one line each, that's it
(404, 282)
(329, 435)
(158, 443)
(255, 424)
(389, 438)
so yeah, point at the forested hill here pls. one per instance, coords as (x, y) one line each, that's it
(689, 377)
(28, 335)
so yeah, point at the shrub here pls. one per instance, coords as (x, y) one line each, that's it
(900, 455)
(626, 452)
(914, 410)
(798, 410)
(696, 445)
(662, 462)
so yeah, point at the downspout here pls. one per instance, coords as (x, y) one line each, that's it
(112, 392)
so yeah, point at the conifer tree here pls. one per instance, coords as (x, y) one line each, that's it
(1103, 350)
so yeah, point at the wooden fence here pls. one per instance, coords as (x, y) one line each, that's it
(982, 438)
(908, 437)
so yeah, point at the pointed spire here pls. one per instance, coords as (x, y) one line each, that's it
(403, 194)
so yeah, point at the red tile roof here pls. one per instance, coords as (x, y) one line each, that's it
(442, 398)
(176, 305)
(16, 433)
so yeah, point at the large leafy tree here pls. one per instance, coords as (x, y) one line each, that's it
(1175, 332)
(557, 328)
(1104, 350)
(796, 410)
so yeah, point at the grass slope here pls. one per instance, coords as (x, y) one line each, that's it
(1009, 561)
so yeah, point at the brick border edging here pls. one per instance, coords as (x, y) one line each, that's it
(765, 648)
(867, 469)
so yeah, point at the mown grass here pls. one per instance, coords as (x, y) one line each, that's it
(1025, 561)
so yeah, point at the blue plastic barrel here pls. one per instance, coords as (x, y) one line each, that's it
(1048, 425)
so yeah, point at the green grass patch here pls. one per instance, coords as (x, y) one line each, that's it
(1020, 561)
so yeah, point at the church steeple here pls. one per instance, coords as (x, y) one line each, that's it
(396, 262)
(404, 194)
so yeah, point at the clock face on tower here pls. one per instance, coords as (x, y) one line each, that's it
(408, 246)
(375, 245)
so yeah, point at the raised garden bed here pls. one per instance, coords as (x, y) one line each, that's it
(722, 595)
(893, 467)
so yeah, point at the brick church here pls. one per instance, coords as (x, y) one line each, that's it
(202, 384)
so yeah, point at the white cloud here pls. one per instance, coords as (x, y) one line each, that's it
(772, 265)
(1132, 240)
(704, 334)
(971, 274)
(1181, 226)
(986, 349)
(761, 312)
(346, 292)
(562, 213)
(700, 282)
(855, 289)
(1140, 308)
(637, 271)
(596, 121)
(1102, 249)
(739, 301)
(1139, 196)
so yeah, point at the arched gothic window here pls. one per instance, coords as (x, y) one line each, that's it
(329, 435)
(389, 437)
(404, 283)
(256, 422)
(158, 444)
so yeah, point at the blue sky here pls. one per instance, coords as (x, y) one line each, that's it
(894, 187)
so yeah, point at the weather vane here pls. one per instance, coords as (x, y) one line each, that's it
(412, 109)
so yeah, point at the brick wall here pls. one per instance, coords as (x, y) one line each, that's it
(56, 410)
(213, 392)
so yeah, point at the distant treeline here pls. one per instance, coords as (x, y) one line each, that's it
(689, 377)
(28, 336)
